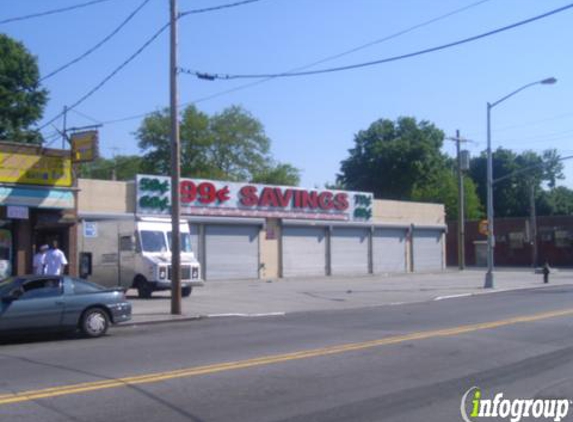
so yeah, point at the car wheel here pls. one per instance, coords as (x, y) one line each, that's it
(144, 289)
(94, 322)
(186, 291)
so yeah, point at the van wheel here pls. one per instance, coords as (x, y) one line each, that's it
(144, 289)
(94, 322)
(186, 291)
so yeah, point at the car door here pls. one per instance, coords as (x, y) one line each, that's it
(40, 305)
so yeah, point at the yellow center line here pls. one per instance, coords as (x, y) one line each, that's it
(268, 360)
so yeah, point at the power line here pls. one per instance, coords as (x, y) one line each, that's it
(344, 53)
(213, 76)
(52, 12)
(98, 45)
(214, 8)
(110, 76)
(391, 36)
(79, 113)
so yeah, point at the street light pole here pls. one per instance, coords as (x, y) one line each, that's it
(489, 279)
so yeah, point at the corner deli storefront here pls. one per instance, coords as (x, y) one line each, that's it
(242, 230)
(37, 205)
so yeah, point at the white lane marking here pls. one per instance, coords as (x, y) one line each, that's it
(246, 315)
(453, 296)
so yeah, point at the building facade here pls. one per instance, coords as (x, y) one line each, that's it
(37, 205)
(516, 243)
(249, 231)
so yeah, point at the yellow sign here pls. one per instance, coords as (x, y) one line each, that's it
(35, 169)
(482, 227)
(84, 146)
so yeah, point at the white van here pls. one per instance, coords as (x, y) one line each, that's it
(135, 252)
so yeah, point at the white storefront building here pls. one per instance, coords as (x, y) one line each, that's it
(249, 231)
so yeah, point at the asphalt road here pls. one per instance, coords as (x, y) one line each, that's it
(392, 363)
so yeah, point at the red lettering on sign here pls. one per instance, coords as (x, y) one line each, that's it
(207, 193)
(309, 199)
(325, 201)
(268, 198)
(297, 200)
(188, 191)
(283, 199)
(249, 196)
(341, 201)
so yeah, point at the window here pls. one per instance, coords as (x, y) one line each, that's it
(82, 287)
(153, 241)
(562, 238)
(516, 240)
(125, 243)
(42, 288)
(185, 241)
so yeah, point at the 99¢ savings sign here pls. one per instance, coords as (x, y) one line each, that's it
(216, 198)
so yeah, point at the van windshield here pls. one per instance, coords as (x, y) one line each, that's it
(185, 241)
(153, 241)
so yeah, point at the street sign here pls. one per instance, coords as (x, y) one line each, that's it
(482, 227)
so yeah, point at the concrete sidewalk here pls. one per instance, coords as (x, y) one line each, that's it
(249, 298)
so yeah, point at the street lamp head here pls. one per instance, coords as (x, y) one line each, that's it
(549, 81)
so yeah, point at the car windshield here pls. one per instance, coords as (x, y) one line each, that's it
(153, 241)
(185, 241)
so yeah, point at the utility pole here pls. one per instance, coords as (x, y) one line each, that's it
(533, 224)
(461, 208)
(461, 201)
(64, 128)
(175, 167)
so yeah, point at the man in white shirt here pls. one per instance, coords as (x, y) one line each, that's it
(55, 260)
(40, 260)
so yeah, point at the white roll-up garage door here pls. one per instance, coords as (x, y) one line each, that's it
(349, 250)
(231, 252)
(389, 250)
(428, 251)
(303, 251)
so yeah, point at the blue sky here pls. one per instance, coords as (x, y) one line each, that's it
(312, 120)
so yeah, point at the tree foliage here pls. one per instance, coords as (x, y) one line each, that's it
(514, 175)
(443, 189)
(402, 160)
(121, 167)
(231, 145)
(392, 159)
(22, 100)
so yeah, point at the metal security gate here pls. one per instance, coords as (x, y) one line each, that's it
(349, 250)
(226, 251)
(389, 250)
(428, 250)
(303, 251)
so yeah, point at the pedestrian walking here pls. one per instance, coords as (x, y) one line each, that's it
(40, 260)
(55, 260)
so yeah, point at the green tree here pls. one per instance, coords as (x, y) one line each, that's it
(443, 189)
(556, 201)
(278, 174)
(514, 175)
(22, 100)
(121, 167)
(230, 145)
(392, 159)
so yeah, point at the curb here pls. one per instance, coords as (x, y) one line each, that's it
(268, 314)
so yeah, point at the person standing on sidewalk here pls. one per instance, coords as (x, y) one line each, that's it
(40, 260)
(55, 260)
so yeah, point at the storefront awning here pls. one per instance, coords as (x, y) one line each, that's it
(37, 197)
